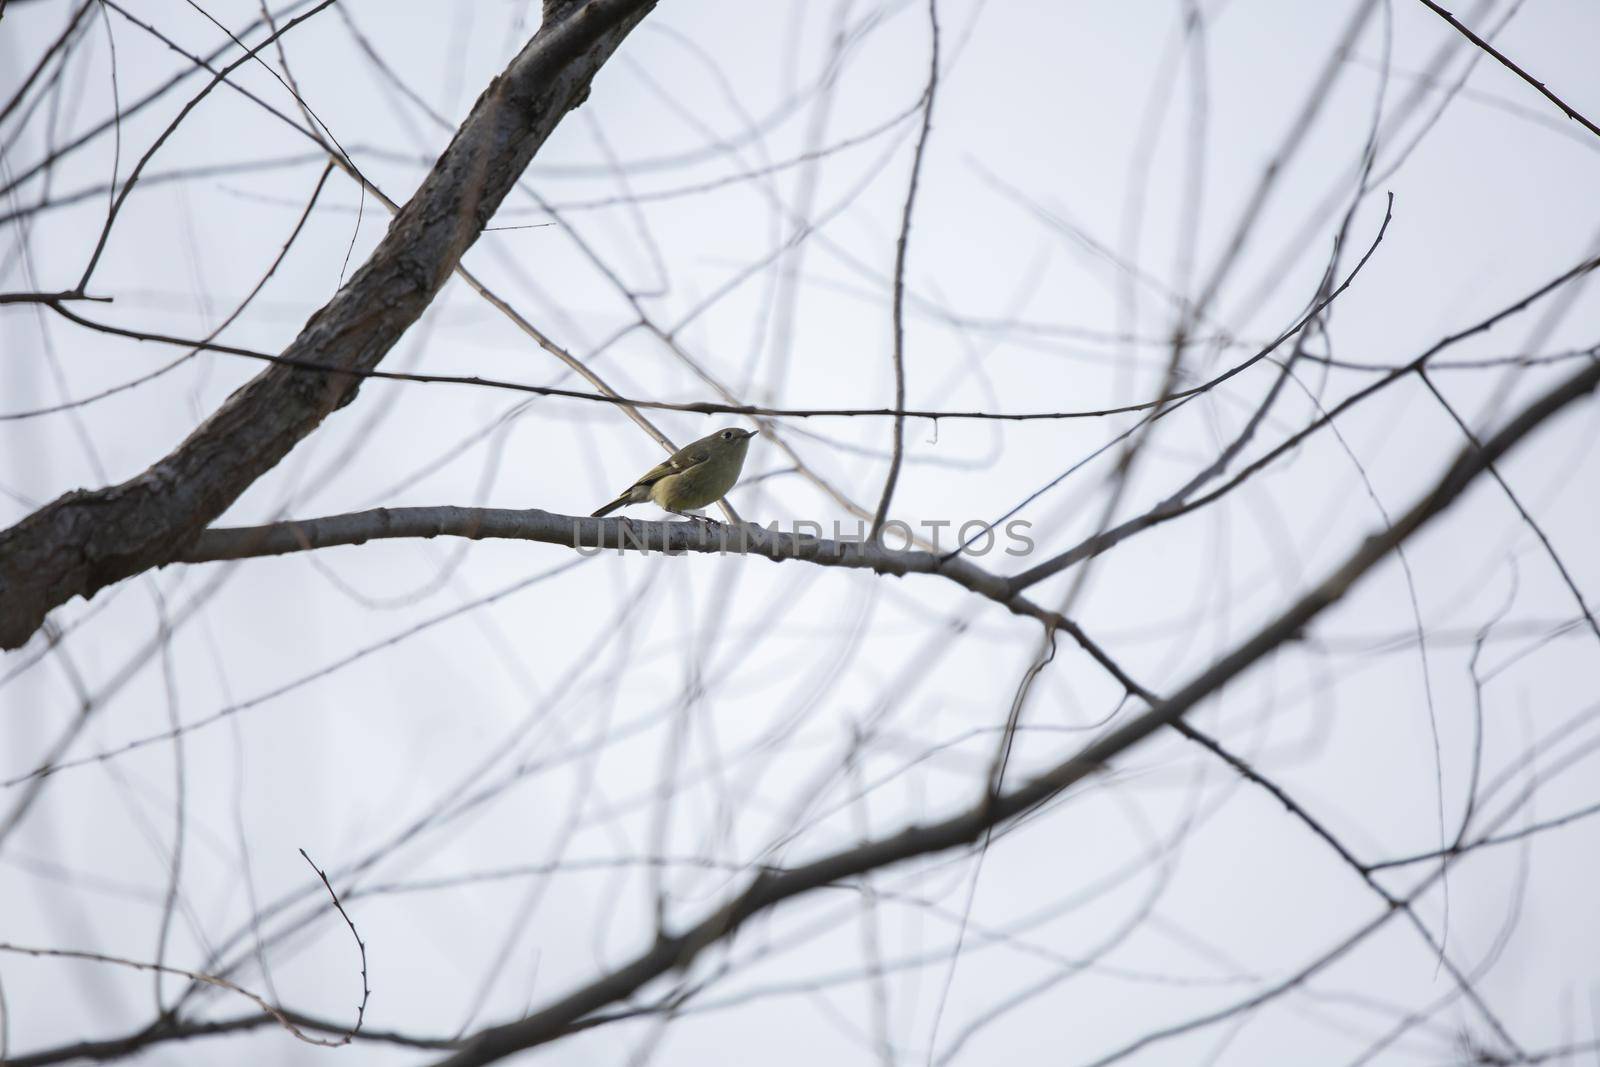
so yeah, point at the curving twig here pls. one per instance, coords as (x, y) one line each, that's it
(898, 453)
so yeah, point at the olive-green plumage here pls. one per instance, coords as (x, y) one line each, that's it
(696, 475)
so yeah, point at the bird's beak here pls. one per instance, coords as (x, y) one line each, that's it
(751, 433)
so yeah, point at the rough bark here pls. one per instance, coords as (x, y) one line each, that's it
(88, 539)
(581, 532)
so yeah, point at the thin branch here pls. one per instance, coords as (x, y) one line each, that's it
(1173, 507)
(366, 990)
(1505, 61)
(50, 298)
(1527, 519)
(281, 1017)
(56, 155)
(133, 177)
(900, 277)
(702, 407)
(60, 43)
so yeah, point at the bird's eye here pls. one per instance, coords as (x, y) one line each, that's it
(727, 435)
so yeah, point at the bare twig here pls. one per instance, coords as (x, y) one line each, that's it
(366, 990)
(1505, 61)
(281, 1017)
(899, 297)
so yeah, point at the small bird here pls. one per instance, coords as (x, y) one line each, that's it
(698, 474)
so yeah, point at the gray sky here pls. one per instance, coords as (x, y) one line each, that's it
(1086, 171)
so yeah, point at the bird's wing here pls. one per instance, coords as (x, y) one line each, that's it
(691, 455)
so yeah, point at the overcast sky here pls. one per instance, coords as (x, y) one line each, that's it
(722, 213)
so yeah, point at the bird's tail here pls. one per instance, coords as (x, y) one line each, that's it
(609, 508)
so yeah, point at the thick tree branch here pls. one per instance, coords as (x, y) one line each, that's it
(575, 531)
(89, 539)
(613, 534)
(169, 1030)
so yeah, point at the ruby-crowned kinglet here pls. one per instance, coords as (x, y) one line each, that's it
(698, 474)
